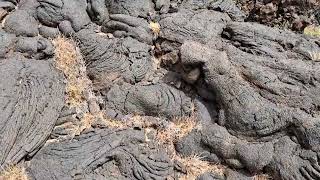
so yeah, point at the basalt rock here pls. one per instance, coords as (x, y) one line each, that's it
(8, 4)
(153, 100)
(7, 42)
(97, 11)
(273, 100)
(270, 42)
(229, 7)
(124, 25)
(21, 23)
(274, 81)
(101, 154)
(135, 8)
(253, 89)
(226, 6)
(52, 12)
(30, 47)
(201, 25)
(217, 145)
(289, 14)
(113, 58)
(34, 47)
(32, 95)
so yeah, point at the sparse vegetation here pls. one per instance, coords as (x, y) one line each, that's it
(285, 14)
(14, 173)
(69, 61)
(155, 28)
(178, 128)
(250, 68)
(315, 56)
(86, 122)
(195, 166)
(3, 13)
(166, 137)
(261, 177)
(312, 31)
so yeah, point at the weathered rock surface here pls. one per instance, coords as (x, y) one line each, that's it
(288, 14)
(255, 89)
(152, 100)
(273, 100)
(135, 8)
(101, 154)
(201, 25)
(122, 25)
(54, 12)
(109, 59)
(7, 41)
(265, 91)
(31, 97)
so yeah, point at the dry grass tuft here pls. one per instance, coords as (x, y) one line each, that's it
(86, 121)
(14, 173)
(115, 124)
(3, 14)
(185, 125)
(261, 177)
(155, 28)
(135, 121)
(312, 31)
(178, 128)
(89, 118)
(315, 56)
(69, 61)
(195, 166)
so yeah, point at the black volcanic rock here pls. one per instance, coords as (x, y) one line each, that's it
(253, 89)
(32, 95)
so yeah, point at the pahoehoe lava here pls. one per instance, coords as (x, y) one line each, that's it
(166, 89)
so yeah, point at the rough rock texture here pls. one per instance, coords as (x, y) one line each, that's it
(201, 25)
(22, 21)
(7, 40)
(31, 97)
(150, 100)
(122, 25)
(114, 58)
(271, 78)
(217, 145)
(135, 8)
(53, 12)
(6, 4)
(258, 84)
(253, 89)
(31, 47)
(226, 6)
(99, 155)
(290, 14)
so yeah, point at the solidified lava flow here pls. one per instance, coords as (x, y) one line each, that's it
(159, 89)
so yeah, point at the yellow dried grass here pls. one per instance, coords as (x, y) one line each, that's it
(195, 166)
(14, 173)
(68, 60)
